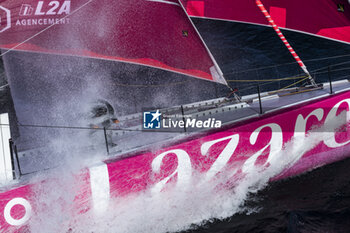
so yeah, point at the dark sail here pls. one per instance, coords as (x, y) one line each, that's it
(325, 18)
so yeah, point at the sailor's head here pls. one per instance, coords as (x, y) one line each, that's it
(102, 108)
(102, 114)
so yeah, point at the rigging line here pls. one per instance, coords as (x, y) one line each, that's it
(72, 127)
(253, 86)
(150, 85)
(274, 92)
(58, 127)
(45, 29)
(326, 71)
(312, 71)
(6, 85)
(267, 80)
(325, 67)
(86, 128)
(341, 77)
(328, 58)
(288, 63)
(260, 68)
(125, 129)
(289, 78)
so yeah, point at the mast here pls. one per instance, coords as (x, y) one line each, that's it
(284, 40)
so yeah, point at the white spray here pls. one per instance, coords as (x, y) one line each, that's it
(174, 209)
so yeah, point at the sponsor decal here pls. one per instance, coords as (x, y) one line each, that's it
(26, 10)
(23, 219)
(5, 19)
(33, 22)
(34, 14)
(221, 148)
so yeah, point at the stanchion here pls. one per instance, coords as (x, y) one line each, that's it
(260, 106)
(183, 118)
(12, 159)
(330, 80)
(106, 140)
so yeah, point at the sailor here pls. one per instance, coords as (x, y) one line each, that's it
(102, 116)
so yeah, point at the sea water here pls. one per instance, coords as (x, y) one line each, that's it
(172, 210)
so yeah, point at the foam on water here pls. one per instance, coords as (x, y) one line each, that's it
(174, 209)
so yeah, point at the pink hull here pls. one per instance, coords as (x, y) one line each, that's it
(259, 143)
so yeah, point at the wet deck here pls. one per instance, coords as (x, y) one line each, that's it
(229, 113)
(129, 136)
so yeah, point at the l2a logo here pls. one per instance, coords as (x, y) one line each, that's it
(45, 8)
(152, 120)
(26, 10)
(5, 19)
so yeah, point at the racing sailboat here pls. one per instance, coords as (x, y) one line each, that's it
(63, 57)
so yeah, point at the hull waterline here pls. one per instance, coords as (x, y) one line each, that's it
(281, 140)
